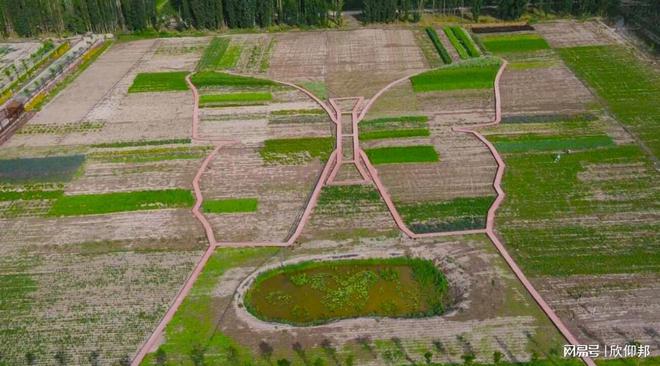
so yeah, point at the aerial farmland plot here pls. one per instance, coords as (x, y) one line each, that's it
(389, 195)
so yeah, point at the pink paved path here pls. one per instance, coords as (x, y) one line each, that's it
(334, 162)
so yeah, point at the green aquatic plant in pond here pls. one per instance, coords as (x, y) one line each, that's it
(49, 169)
(318, 292)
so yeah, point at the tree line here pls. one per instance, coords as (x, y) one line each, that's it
(28, 18)
(32, 17)
(214, 14)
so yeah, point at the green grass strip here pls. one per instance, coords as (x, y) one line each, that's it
(92, 204)
(444, 55)
(213, 54)
(403, 154)
(211, 79)
(236, 97)
(29, 195)
(390, 134)
(231, 57)
(514, 43)
(418, 119)
(476, 75)
(141, 143)
(460, 49)
(295, 150)
(532, 142)
(230, 205)
(159, 81)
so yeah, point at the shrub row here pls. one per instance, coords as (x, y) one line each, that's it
(438, 45)
(466, 41)
(462, 52)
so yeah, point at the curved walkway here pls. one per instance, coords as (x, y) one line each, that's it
(333, 160)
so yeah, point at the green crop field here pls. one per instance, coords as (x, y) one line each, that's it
(478, 74)
(514, 43)
(232, 99)
(394, 127)
(629, 87)
(159, 82)
(29, 195)
(296, 150)
(230, 205)
(213, 54)
(152, 154)
(103, 203)
(435, 39)
(218, 79)
(465, 213)
(532, 142)
(403, 154)
(550, 194)
(318, 292)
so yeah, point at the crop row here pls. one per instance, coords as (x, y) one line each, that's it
(444, 55)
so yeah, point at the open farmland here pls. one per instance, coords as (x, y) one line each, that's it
(179, 202)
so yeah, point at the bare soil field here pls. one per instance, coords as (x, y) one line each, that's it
(568, 33)
(342, 58)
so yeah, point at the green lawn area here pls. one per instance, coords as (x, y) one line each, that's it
(403, 154)
(230, 99)
(230, 205)
(629, 87)
(391, 134)
(466, 213)
(514, 43)
(321, 291)
(296, 150)
(103, 203)
(467, 42)
(220, 79)
(159, 82)
(540, 219)
(478, 74)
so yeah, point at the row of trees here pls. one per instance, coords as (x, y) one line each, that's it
(30, 17)
(513, 9)
(213, 14)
